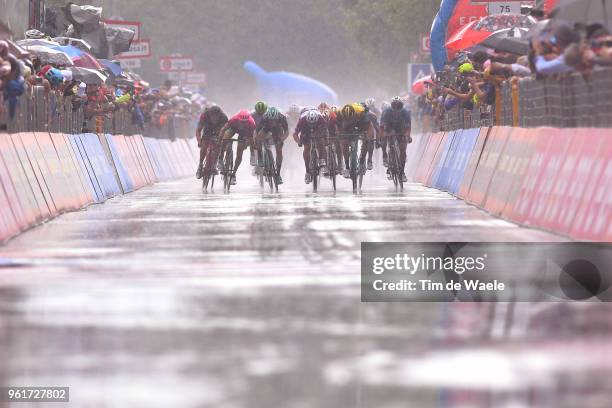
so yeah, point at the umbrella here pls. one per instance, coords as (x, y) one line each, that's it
(75, 42)
(79, 57)
(51, 56)
(418, 86)
(37, 41)
(508, 40)
(584, 11)
(112, 66)
(538, 29)
(89, 76)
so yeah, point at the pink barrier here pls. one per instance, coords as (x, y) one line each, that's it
(594, 213)
(26, 199)
(27, 151)
(10, 225)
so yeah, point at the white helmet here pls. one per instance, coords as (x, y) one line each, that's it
(370, 103)
(312, 116)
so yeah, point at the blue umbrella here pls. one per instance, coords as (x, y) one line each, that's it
(112, 66)
(73, 52)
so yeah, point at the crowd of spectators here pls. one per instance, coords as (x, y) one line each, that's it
(553, 49)
(23, 71)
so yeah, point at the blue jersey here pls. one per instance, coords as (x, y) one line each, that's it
(396, 120)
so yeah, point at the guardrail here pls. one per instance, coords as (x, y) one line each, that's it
(568, 102)
(41, 112)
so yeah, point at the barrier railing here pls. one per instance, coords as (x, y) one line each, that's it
(567, 102)
(42, 112)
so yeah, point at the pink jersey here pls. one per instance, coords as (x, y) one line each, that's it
(244, 129)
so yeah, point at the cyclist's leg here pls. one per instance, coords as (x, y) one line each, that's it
(225, 142)
(278, 145)
(321, 149)
(306, 154)
(242, 145)
(346, 142)
(338, 147)
(403, 146)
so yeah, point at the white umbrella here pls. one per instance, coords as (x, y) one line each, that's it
(75, 42)
(37, 41)
(88, 76)
(50, 56)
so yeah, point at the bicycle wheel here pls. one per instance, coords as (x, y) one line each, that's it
(314, 167)
(270, 169)
(331, 165)
(354, 164)
(228, 167)
(262, 171)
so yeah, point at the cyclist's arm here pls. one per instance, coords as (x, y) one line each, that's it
(198, 134)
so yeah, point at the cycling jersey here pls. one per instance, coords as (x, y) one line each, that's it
(273, 125)
(243, 129)
(357, 125)
(257, 117)
(307, 130)
(397, 121)
(373, 119)
(210, 128)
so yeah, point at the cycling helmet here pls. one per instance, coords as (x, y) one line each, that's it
(385, 105)
(348, 112)
(397, 104)
(272, 114)
(294, 108)
(54, 76)
(261, 108)
(34, 35)
(370, 103)
(215, 109)
(334, 109)
(312, 116)
(244, 116)
(465, 68)
(323, 107)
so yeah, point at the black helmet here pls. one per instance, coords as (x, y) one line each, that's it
(397, 104)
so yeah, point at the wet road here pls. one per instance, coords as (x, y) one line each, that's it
(168, 297)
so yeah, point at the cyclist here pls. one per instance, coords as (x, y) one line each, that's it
(311, 126)
(260, 109)
(293, 115)
(331, 117)
(396, 122)
(351, 121)
(371, 105)
(242, 124)
(373, 118)
(207, 134)
(274, 123)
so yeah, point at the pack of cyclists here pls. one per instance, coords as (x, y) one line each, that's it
(326, 131)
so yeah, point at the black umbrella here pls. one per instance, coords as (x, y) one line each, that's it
(517, 46)
(508, 40)
(584, 11)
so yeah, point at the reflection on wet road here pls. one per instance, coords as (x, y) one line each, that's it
(171, 298)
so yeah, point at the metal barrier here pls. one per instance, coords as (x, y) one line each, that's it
(41, 112)
(567, 102)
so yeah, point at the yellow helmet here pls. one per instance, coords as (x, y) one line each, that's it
(359, 109)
